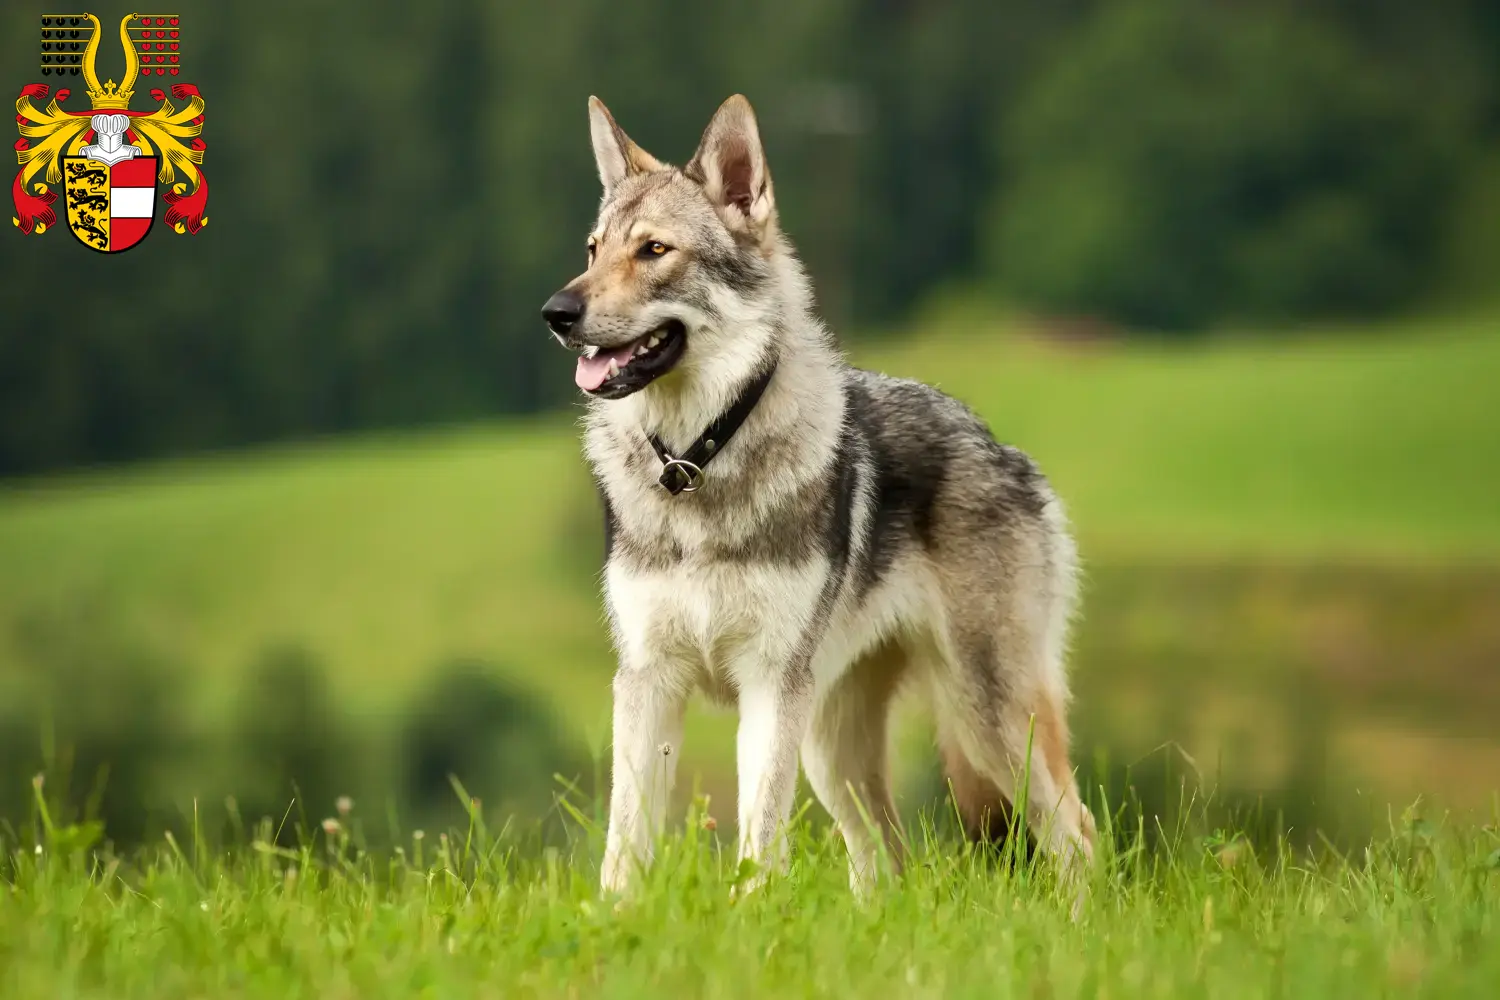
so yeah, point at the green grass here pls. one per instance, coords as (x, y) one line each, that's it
(1417, 914)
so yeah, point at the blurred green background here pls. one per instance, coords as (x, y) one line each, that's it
(295, 507)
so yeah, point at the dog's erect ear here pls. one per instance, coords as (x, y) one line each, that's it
(731, 165)
(617, 156)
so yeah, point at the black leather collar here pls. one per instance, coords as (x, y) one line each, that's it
(684, 473)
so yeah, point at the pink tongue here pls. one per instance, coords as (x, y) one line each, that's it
(593, 371)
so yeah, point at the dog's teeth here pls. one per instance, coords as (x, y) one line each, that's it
(655, 339)
(613, 370)
(640, 349)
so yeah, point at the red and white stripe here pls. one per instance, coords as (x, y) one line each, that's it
(132, 192)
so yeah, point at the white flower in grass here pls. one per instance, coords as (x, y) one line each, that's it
(345, 805)
(331, 826)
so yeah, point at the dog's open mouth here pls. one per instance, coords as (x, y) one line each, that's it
(611, 374)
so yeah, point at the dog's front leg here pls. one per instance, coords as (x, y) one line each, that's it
(774, 714)
(648, 714)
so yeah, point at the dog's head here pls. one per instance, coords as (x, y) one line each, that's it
(676, 259)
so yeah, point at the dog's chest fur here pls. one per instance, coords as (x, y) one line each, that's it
(728, 579)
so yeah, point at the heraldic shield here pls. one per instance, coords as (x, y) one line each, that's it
(110, 205)
(111, 160)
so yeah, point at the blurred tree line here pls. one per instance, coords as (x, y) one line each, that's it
(396, 189)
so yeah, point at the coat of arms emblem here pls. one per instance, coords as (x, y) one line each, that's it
(110, 159)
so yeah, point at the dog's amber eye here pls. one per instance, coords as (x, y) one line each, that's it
(655, 248)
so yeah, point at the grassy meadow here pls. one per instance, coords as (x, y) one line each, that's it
(1292, 601)
(1415, 915)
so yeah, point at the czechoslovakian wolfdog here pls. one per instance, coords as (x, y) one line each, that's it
(798, 537)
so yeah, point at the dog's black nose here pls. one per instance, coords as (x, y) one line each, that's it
(562, 311)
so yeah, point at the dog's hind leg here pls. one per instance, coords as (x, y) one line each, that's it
(1003, 729)
(845, 757)
(986, 758)
(985, 814)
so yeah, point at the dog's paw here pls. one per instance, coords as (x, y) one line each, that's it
(615, 877)
(749, 878)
